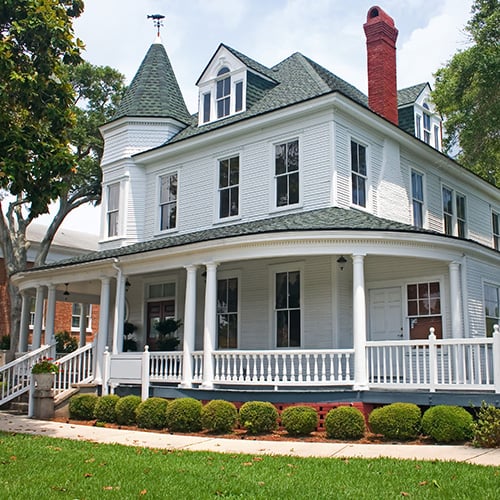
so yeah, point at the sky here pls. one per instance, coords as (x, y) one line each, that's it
(117, 33)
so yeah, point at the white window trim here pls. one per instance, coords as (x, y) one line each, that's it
(88, 329)
(229, 274)
(485, 282)
(273, 269)
(159, 175)
(493, 234)
(368, 193)
(424, 203)
(232, 218)
(454, 222)
(273, 207)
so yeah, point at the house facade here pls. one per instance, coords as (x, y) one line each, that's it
(305, 239)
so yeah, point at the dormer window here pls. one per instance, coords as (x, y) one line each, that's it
(223, 93)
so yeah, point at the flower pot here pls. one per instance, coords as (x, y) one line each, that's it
(44, 381)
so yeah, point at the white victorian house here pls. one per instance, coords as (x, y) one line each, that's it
(308, 242)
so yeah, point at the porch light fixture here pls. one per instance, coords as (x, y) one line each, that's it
(127, 285)
(341, 261)
(66, 293)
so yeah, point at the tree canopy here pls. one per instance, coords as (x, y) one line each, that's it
(467, 94)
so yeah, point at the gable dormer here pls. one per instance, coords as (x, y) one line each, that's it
(418, 115)
(225, 84)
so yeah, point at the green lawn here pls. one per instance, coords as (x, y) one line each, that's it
(37, 467)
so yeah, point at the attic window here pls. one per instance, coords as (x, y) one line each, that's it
(374, 13)
(223, 97)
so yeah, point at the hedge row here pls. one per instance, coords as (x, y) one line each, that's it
(400, 421)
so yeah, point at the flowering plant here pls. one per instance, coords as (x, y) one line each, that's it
(45, 365)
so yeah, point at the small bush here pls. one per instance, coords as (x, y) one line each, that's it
(81, 406)
(487, 427)
(184, 415)
(445, 423)
(125, 409)
(219, 416)
(396, 421)
(65, 343)
(105, 408)
(299, 420)
(345, 422)
(152, 413)
(258, 417)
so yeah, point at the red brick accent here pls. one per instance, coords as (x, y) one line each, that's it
(381, 35)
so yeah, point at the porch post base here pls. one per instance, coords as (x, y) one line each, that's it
(360, 387)
(185, 385)
(207, 385)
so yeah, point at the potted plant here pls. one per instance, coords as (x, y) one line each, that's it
(129, 340)
(43, 372)
(167, 328)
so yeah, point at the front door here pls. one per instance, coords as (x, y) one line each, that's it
(386, 318)
(157, 311)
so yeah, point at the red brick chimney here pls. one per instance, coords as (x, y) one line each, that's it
(381, 35)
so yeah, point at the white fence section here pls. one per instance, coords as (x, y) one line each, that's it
(165, 366)
(74, 368)
(447, 364)
(15, 376)
(310, 367)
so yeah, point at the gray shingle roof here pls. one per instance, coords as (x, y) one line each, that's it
(154, 91)
(410, 94)
(330, 219)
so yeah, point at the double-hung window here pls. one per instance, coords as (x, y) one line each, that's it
(427, 128)
(76, 314)
(113, 208)
(424, 309)
(454, 213)
(223, 93)
(495, 220)
(358, 174)
(168, 201)
(491, 307)
(227, 313)
(229, 187)
(287, 173)
(417, 193)
(287, 308)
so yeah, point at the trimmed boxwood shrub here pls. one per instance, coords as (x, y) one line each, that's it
(445, 423)
(125, 409)
(152, 413)
(104, 410)
(299, 420)
(396, 421)
(219, 416)
(345, 422)
(258, 417)
(184, 415)
(487, 427)
(81, 406)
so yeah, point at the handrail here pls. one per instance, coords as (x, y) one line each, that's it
(76, 367)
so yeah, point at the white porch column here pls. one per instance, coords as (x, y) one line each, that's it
(36, 341)
(189, 327)
(25, 322)
(102, 335)
(359, 322)
(210, 325)
(83, 325)
(119, 313)
(51, 313)
(457, 330)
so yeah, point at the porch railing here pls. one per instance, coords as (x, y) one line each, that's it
(74, 368)
(449, 364)
(311, 367)
(15, 376)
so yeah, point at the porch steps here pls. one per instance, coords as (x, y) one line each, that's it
(61, 402)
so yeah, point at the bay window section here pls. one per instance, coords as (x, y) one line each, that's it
(227, 313)
(461, 216)
(168, 202)
(229, 190)
(287, 309)
(287, 173)
(448, 210)
(358, 174)
(454, 213)
(112, 209)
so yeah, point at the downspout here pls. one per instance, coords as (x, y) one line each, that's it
(119, 307)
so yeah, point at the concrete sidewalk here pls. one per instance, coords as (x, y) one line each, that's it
(25, 425)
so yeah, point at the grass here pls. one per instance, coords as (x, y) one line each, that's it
(48, 468)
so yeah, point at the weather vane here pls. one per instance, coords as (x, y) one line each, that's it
(157, 21)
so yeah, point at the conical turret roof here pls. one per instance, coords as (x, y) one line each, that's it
(154, 91)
